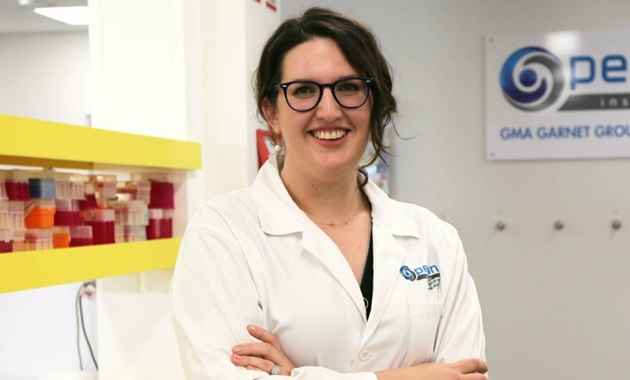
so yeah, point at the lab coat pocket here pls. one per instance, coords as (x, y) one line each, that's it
(424, 318)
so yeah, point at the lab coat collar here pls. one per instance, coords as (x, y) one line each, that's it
(389, 213)
(279, 215)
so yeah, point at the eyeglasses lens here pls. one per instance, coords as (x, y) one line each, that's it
(349, 93)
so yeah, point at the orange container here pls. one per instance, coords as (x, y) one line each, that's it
(40, 214)
(61, 237)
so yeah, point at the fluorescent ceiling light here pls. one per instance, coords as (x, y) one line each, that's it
(69, 15)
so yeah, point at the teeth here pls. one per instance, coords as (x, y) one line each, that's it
(329, 135)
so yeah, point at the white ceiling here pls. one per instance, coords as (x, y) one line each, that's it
(16, 18)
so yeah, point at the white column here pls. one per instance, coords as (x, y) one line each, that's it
(234, 32)
(178, 69)
(139, 70)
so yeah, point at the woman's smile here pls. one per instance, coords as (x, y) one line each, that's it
(335, 134)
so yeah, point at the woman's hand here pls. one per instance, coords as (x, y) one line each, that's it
(263, 355)
(468, 369)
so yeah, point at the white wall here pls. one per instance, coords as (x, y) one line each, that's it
(555, 303)
(45, 76)
(138, 68)
(38, 332)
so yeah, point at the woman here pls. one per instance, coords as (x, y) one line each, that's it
(313, 272)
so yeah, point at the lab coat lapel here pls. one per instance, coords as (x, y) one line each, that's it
(279, 215)
(388, 258)
(317, 243)
(389, 223)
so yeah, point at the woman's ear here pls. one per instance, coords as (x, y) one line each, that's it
(271, 115)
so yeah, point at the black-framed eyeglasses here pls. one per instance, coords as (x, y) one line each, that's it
(303, 95)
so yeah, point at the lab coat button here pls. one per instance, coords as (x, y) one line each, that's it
(365, 355)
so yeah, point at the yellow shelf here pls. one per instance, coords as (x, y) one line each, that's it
(34, 269)
(30, 142)
(33, 142)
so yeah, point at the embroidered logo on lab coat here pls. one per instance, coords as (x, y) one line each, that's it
(423, 272)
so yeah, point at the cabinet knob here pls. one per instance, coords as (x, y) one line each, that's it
(500, 225)
(558, 225)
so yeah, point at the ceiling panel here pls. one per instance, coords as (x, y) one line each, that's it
(17, 16)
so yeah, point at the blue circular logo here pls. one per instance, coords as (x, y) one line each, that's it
(407, 273)
(531, 79)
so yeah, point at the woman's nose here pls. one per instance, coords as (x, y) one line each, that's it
(328, 108)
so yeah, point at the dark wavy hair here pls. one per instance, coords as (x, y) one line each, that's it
(360, 48)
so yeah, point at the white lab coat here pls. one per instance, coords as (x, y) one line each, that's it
(253, 257)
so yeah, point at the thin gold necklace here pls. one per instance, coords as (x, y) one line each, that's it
(331, 224)
(343, 223)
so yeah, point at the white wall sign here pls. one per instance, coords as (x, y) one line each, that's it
(558, 95)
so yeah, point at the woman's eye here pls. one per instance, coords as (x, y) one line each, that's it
(303, 90)
(348, 87)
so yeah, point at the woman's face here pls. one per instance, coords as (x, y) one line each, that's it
(329, 139)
